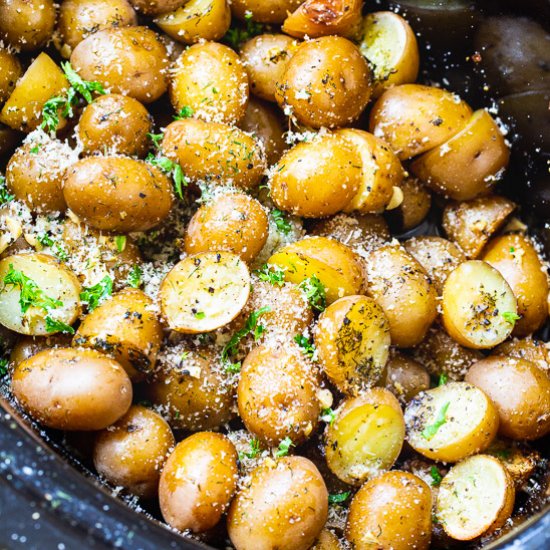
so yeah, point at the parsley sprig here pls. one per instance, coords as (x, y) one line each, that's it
(284, 447)
(307, 347)
(328, 415)
(339, 498)
(283, 225)
(5, 195)
(431, 429)
(315, 293)
(184, 112)
(94, 295)
(236, 35)
(3, 367)
(271, 274)
(436, 476)
(510, 317)
(54, 325)
(135, 276)
(254, 451)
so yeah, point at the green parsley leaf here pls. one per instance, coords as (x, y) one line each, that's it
(328, 416)
(120, 241)
(284, 447)
(45, 240)
(199, 315)
(283, 225)
(34, 150)
(172, 169)
(436, 476)
(308, 349)
(271, 274)
(236, 35)
(233, 368)
(94, 295)
(443, 379)
(180, 181)
(315, 293)
(53, 325)
(156, 139)
(510, 317)
(83, 87)
(50, 112)
(512, 250)
(5, 195)
(185, 112)
(3, 367)
(339, 498)
(254, 450)
(134, 276)
(429, 431)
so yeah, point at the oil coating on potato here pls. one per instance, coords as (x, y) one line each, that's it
(405, 377)
(10, 71)
(156, 7)
(264, 11)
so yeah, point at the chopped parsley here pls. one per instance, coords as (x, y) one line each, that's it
(510, 317)
(134, 276)
(339, 498)
(53, 325)
(236, 35)
(3, 366)
(94, 295)
(283, 225)
(170, 168)
(199, 315)
(5, 195)
(271, 274)
(308, 349)
(185, 112)
(328, 416)
(34, 150)
(436, 476)
(233, 368)
(315, 293)
(120, 241)
(254, 450)
(443, 379)
(58, 251)
(284, 447)
(429, 431)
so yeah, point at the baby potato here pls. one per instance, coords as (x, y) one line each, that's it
(232, 222)
(27, 24)
(391, 511)
(479, 307)
(283, 506)
(198, 482)
(156, 7)
(277, 394)
(131, 452)
(72, 389)
(197, 20)
(536, 351)
(327, 540)
(210, 79)
(438, 256)
(41, 81)
(390, 45)
(405, 377)
(469, 164)
(115, 123)
(127, 60)
(413, 118)
(515, 257)
(470, 224)
(395, 281)
(450, 422)
(366, 436)
(317, 178)
(125, 328)
(204, 292)
(352, 338)
(10, 71)
(327, 82)
(335, 266)
(27, 346)
(273, 11)
(10, 228)
(212, 152)
(381, 171)
(120, 194)
(9, 139)
(475, 497)
(316, 18)
(414, 206)
(38, 295)
(520, 392)
(79, 18)
(191, 390)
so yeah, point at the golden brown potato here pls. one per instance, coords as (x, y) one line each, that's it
(515, 257)
(131, 452)
(273, 11)
(414, 207)
(210, 79)
(352, 338)
(128, 60)
(536, 351)
(115, 123)
(317, 178)
(469, 164)
(27, 24)
(327, 540)
(30, 345)
(80, 18)
(283, 506)
(198, 481)
(366, 436)
(212, 152)
(10, 71)
(197, 20)
(405, 377)
(520, 392)
(156, 7)
(519, 461)
(118, 193)
(398, 283)
(234, 222)
(327, 82)
(470, 224)
(391, 511)
(265, 57)
(277, 394)
(72, 389)
(413, 119)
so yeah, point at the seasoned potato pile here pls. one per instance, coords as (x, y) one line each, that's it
(273, 279)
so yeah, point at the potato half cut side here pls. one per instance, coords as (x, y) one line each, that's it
(451, 422)
(479, 307)
(475, 497)
(204, 292)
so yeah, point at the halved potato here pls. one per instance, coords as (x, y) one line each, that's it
(390, 45)
(475, 497)
(10, 228)
(479, 307)
(405, 377)
(204, 292)
(451, 422)
(38, 295)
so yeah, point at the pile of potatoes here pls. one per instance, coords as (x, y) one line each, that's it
(197, 276)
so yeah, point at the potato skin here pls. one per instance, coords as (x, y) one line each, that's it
(72, 389)
(405, 377)
(115, 123)
(198, 481)
(156, 7)
(272, 11)
(131, 452)
(117, 193)
(415, 207)
(284, 506)
(129, 61)
(10, 71)
(30, 345)
(391, 511)
(327, 82)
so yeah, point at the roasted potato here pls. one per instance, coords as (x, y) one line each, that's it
(414, 206)
(156, 7)
(533, 350)
(10, 71)
(274, 11)
(27, 346)
(405, 377)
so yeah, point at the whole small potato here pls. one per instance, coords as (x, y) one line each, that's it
(118, 193)
(283, 506)
(10, 71)
(528, 348)
(234, 222)
(30, 345)
(405, 377)
(72, 389)
(274, 11)
(520, 392)
(413, 209)
(79, 18)
(198, 482)
(210, 79)
(26, 24)
(391, 511)
(131, 452)
(277, 394)
(156, 7)
(115, 123)
(128, 60)
(327, 82)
